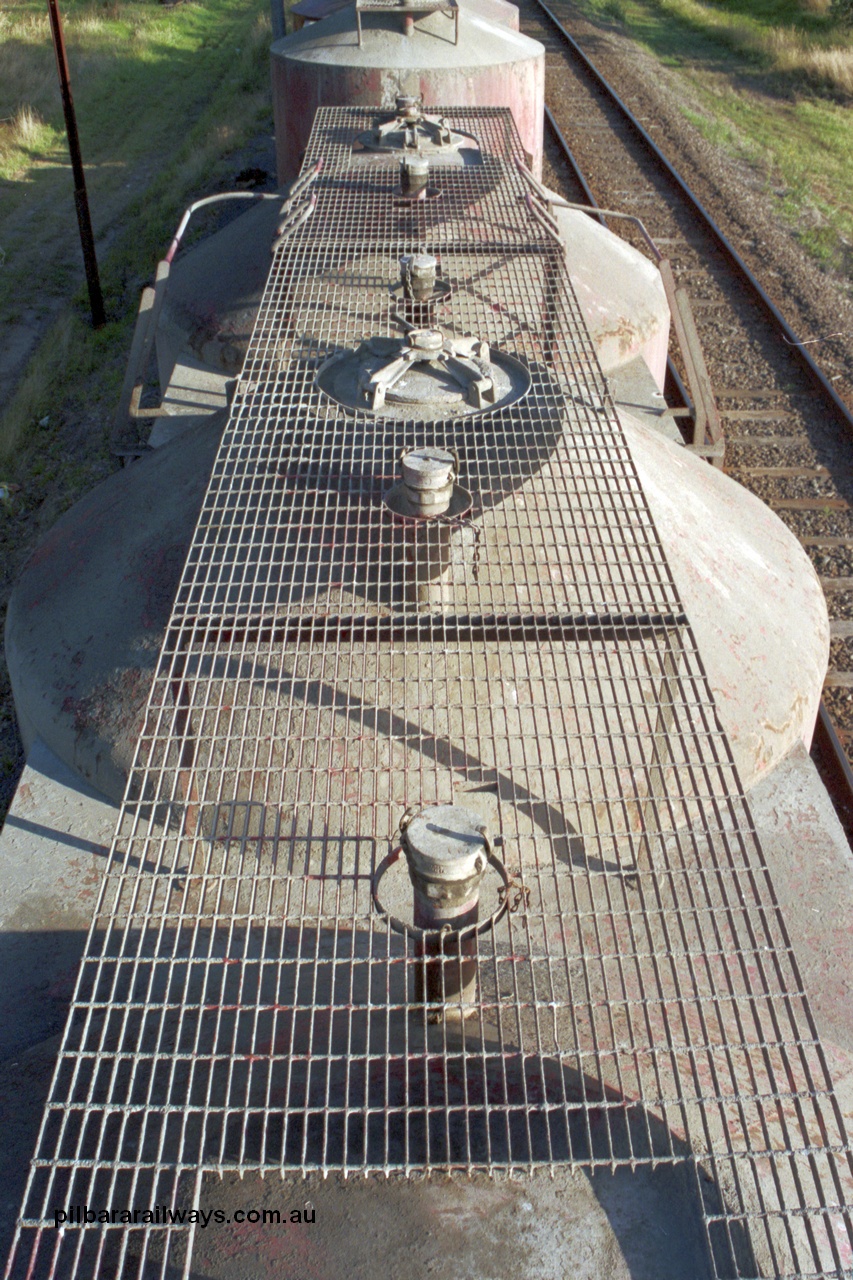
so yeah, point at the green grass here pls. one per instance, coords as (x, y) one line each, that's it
(772, 84)
(793, 43)
(165, 97)
(162, 95)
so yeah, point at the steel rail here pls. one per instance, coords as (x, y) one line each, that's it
(837, 773)
(812, 368)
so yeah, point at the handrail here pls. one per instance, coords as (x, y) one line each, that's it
(708, 436)
(151, 302)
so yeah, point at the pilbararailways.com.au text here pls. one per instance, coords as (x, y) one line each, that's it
(80, 1215)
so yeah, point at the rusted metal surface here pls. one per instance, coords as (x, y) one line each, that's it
(708, 437)
(490, 65)
(673, 378)
(242, 1004)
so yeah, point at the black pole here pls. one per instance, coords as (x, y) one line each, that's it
(277, 21)
(87, 240)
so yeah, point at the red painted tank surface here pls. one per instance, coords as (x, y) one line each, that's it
(323, 65)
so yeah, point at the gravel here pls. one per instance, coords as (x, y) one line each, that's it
(740, 199)
(742, 350)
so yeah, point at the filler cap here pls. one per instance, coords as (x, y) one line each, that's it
(445, 842)
(428, 468)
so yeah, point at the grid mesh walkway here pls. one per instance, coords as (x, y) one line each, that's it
(242, 1004)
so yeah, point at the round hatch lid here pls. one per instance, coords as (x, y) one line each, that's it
(412, 130)
(426, 373)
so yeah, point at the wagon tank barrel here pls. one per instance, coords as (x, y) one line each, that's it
(444, 694)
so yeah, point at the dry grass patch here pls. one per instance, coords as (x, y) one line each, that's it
(28, 91)
(819, 52)
(769, 81)
(27, 125)
(61, 354)
(830, 66)
(22, 136)
(27, 65)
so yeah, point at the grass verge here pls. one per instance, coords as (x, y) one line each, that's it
(166, 98)
(162, 94)
(773, 85)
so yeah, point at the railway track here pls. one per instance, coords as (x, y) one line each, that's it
(788, 434)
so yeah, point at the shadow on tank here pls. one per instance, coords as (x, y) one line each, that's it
(87, 616)
(409, 744)
(339, 551)
(298, 1062)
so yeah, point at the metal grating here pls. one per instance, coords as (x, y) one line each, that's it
(241, 1004)
(403, 5)
(408, 8)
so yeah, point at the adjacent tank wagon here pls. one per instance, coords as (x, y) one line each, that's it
(431, 717)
